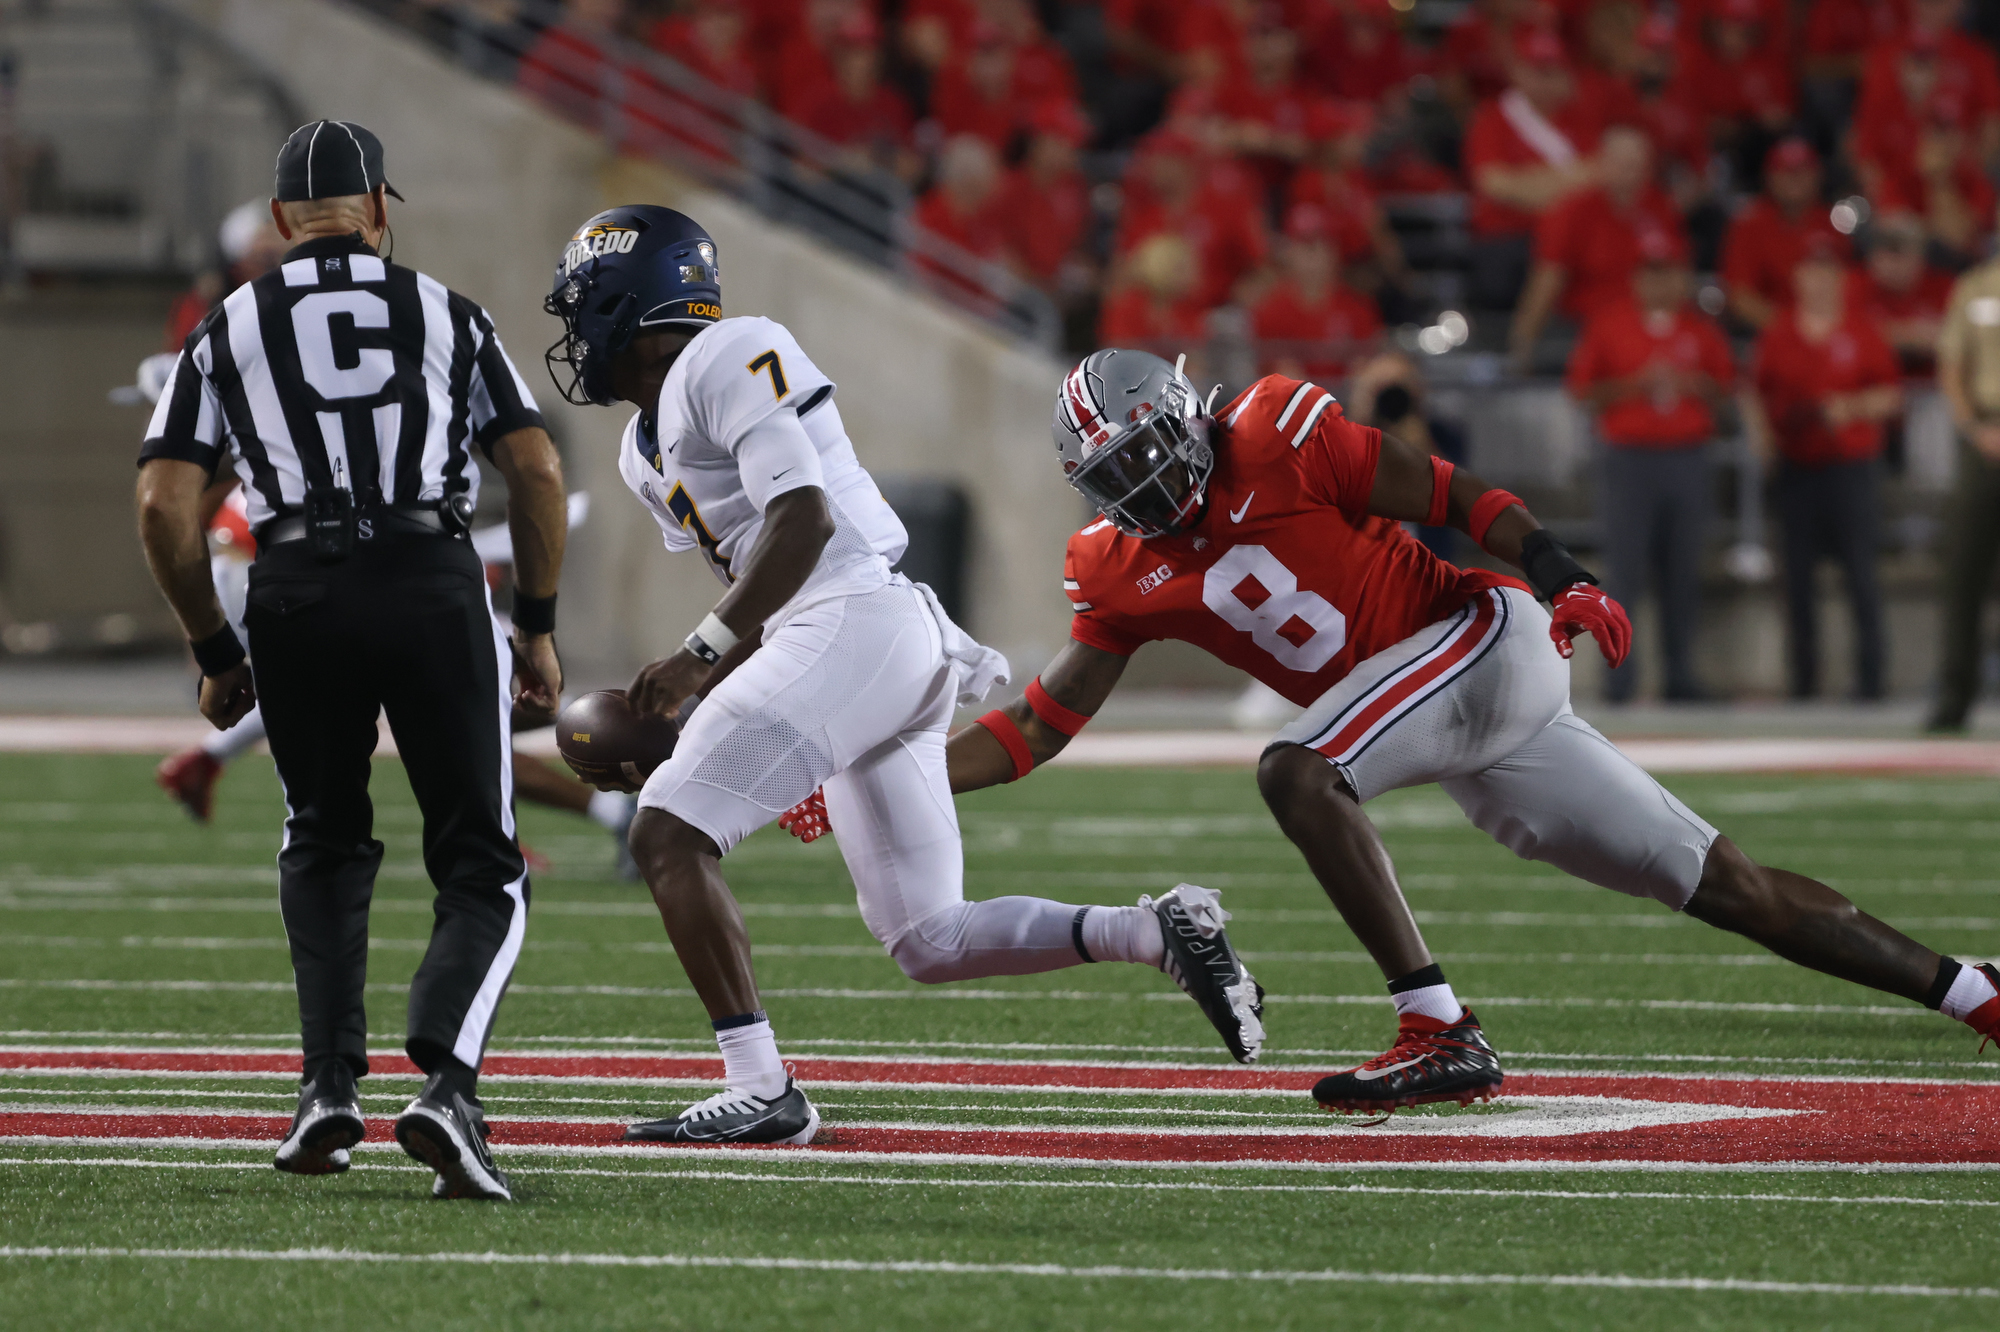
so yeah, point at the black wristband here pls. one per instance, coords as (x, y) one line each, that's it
(693, 643)
(218, 652)
(1549, 565)
(534, 615)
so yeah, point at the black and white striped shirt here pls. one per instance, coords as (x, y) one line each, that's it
(340, 369)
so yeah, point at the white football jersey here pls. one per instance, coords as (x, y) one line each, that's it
(734, 375)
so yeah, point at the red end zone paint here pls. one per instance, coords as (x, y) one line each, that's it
(1906, 1123)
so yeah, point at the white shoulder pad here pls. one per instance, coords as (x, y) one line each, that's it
(740, 371)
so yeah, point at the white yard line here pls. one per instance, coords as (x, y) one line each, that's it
(1729, 1285)
(1112, 1185)
(965, 995)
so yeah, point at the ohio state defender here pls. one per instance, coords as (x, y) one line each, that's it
(1270, 536)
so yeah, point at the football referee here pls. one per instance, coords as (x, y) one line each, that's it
(347, 393)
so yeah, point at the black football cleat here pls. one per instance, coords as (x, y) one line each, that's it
(328, 1122)
(1430, 1061)
(448, 1133)
(734, 1116)
(1203, 964)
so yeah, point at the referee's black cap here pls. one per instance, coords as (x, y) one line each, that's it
(330, 159)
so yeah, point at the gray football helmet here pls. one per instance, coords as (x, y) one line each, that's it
(1133, 434)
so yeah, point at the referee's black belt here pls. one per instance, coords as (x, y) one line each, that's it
(397, 520)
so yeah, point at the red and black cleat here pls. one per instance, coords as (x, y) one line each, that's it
(1985, 1019)
(190, 777)
(1430, 1061)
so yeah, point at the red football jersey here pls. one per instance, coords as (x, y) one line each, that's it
(1286, 576)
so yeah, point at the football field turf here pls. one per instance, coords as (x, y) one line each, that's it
(1693, 1134)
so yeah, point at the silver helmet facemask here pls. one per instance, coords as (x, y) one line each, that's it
(1151, 478)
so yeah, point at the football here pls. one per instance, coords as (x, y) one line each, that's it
(609, 745)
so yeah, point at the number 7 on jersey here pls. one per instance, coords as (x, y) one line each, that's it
(769, 361)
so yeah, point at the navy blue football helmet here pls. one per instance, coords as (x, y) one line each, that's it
(639, 266)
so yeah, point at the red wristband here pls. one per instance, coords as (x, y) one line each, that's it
(1441, 470)
(1488, 507)
(1003, 729)
(1053, 714)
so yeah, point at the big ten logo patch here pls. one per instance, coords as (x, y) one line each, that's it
(1154, 579)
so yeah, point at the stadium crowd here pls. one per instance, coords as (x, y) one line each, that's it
(1688, 209)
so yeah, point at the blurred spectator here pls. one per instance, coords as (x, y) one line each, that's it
(1387, 392)
(799, 64)
(1769, 234)
(1941, 180)
(1825, 382)
(857, 111)
(1168, 190)
(1355, 51)
(1156, 310)
(1587, 246)
(1652, 369)
(1526, 150)
(1308, 325)
(1045, 205)
(933, 31)
(1671, 113)
(963, 206)
(1900, 293)
(1473, 54)
(975, 93)
(1333, 178)
(570, 63)
(1771, 21)
(710, 39)
(1740, 80)
(1969, 376)
(1042, 69)
(1835, 45)
(250, 246)
(1937, 75)
(1264, 108)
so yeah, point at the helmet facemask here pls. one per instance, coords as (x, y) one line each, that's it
(1151, 479)
(589, 379)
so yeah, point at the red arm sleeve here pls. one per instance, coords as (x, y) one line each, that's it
(1339, 459)
(1090, 623)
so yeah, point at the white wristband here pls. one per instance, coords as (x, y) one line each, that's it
(712, 634)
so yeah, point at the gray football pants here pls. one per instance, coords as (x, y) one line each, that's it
(1479, 704)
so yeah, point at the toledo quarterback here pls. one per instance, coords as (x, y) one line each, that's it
(1269, 534)
(818, 665)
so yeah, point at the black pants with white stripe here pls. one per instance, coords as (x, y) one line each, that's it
(402, 627)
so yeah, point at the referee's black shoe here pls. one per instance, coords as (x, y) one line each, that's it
(328, 1122)
(447, 1132)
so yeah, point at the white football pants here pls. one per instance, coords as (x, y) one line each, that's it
(854, 694)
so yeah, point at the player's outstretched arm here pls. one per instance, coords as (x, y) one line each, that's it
(1412, 486)
(1008, 743)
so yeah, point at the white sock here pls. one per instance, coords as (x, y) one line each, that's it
(1967, 993)
(1433, 1001)
(222, 746)
(750, 1061)
(1124, 934)
(610, 810)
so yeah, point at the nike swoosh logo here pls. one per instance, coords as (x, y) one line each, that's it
(787, 472)
(1236, 516)
(1370, 1074)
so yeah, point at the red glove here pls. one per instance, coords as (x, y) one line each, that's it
(1581, 608)
(807, 819)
